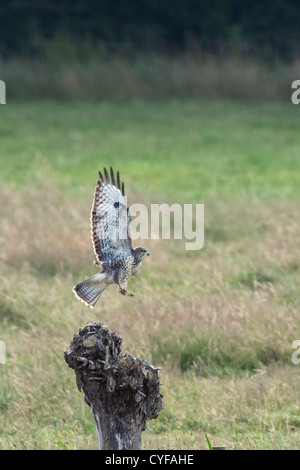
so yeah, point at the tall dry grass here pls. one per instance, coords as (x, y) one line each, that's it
(99, 77)
(43, 231)
(230, 301)
(219, 322)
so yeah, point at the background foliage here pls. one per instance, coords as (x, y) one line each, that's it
(260, 27)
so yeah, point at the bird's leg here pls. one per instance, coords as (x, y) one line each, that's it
(123, 290)
(122, 283)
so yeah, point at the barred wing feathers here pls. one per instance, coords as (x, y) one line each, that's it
(110, 219)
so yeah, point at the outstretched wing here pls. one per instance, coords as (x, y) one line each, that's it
(110, 220)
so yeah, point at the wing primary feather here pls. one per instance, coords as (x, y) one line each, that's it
(101, 177)
(118, 180)
(106, 175)
(112, 176)
(123, 189)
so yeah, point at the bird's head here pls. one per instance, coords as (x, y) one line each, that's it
(140, 252)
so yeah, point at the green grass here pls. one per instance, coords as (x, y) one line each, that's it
(220, 321)
(216, 353)
(199, 147)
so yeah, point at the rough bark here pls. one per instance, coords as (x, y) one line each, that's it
(122, 391)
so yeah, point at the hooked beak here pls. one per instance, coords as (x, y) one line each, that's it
(148, 254)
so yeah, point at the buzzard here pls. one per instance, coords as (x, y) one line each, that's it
(110, 221)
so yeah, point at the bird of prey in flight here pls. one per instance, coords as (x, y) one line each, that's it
(110, 221)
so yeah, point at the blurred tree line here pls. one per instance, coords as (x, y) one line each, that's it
(256, 27)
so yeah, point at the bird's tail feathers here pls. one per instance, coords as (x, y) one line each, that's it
(90, 290)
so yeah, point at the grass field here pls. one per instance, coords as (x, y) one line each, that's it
(219, 321)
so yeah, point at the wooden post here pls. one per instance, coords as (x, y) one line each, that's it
(122, 391)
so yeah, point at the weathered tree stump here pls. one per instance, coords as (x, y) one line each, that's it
(122, 391)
